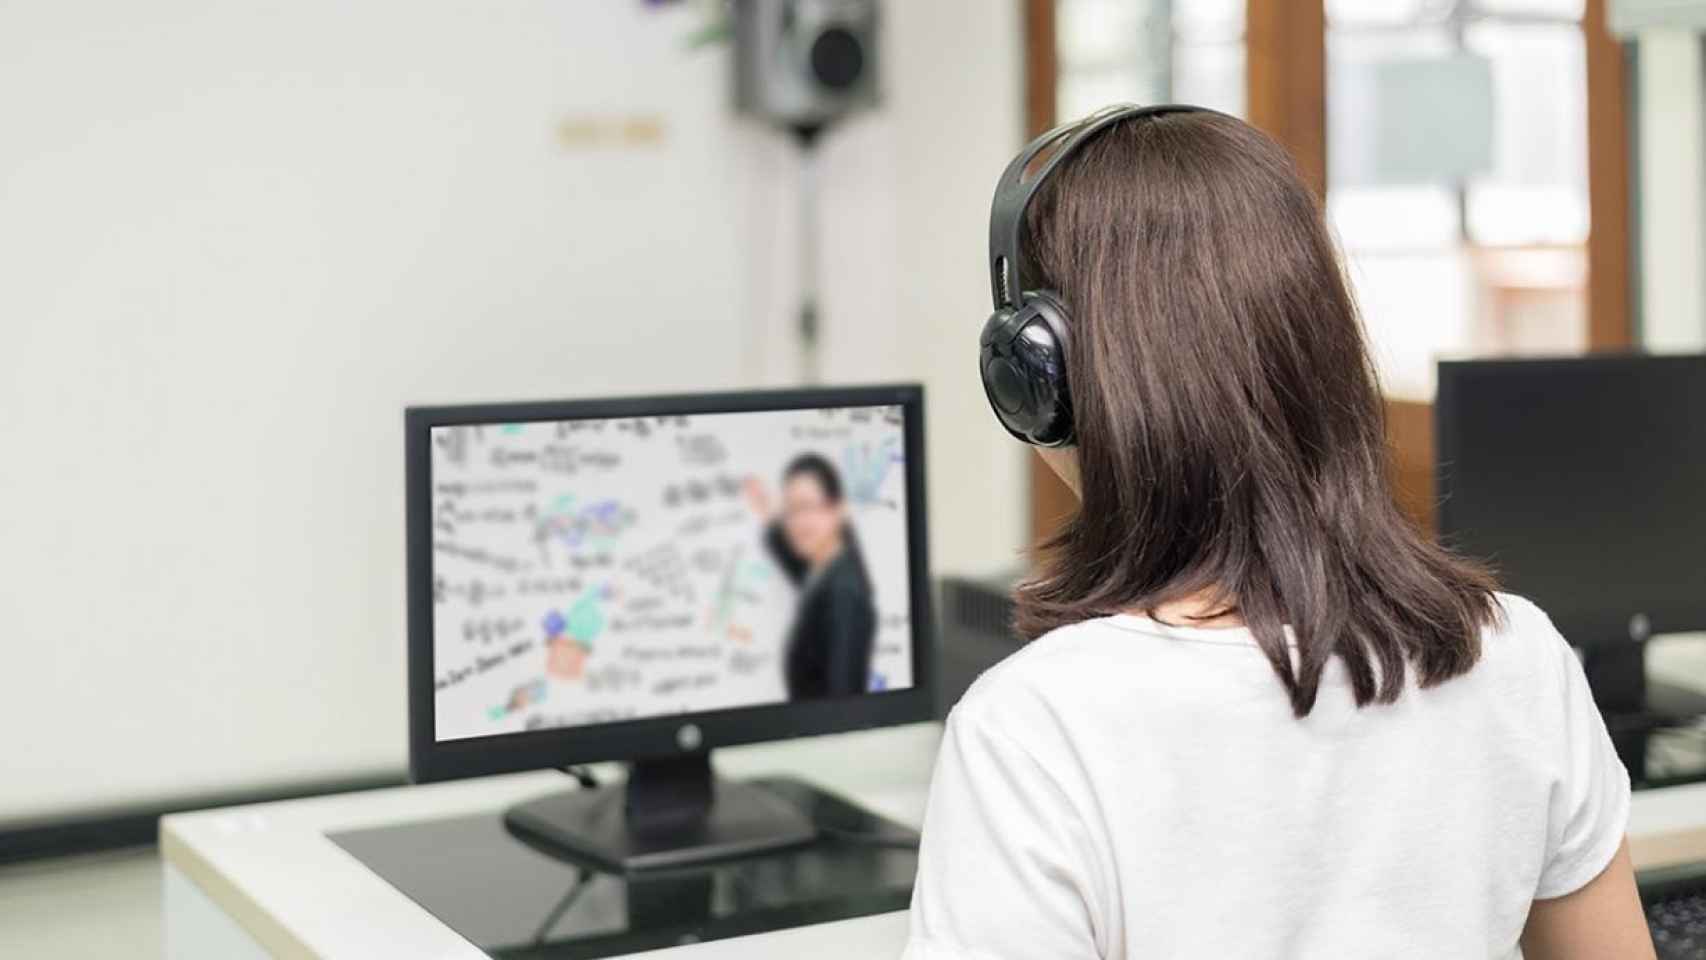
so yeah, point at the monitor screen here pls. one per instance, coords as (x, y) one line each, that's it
(594, 571)
(1583, 483)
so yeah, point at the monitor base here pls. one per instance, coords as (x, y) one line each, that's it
(669, 813)
(517, 897)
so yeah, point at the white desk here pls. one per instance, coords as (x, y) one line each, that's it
(263, 880)
(259, 881)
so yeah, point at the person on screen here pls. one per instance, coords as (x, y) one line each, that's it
(829, 643)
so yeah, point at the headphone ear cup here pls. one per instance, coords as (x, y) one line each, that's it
(1022, 362)
(1004, 385)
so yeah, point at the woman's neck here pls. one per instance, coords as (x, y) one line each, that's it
(1201, 609)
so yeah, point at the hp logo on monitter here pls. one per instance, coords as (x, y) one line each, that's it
(688, 737)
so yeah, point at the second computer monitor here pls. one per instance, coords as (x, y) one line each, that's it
(1583, 482)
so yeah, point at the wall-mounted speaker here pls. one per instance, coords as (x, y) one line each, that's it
(804, 64)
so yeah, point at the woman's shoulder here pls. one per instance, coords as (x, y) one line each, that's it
(1520, 632)
(1517, 611)
(1043, 673)
(1524, 659)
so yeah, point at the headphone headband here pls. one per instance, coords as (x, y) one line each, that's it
(1007, 273)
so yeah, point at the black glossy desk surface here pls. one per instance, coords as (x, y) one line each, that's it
(514, 900)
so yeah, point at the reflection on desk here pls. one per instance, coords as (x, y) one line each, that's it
(519, 901)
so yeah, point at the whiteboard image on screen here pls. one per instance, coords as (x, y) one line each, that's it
(595, 571)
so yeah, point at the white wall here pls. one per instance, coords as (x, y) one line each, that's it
(1672, 128)
(956, 100)
(237, 238)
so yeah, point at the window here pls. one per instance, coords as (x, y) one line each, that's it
(1457, 176)
(1149, 51)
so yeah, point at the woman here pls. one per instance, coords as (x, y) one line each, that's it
(1261, 716)
(829, 643)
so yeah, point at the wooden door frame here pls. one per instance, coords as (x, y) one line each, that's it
(1285, 80)
(1611, 320)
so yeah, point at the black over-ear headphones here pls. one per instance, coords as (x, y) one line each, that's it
(1022, 351)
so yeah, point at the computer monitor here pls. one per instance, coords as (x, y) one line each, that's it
(645, 579)
(1583, 482)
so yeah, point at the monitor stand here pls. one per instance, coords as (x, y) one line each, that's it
(671, 812)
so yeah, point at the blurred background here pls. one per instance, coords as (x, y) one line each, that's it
(237, 238)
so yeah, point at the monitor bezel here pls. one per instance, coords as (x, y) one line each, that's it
(431, 759)
(1611, 627)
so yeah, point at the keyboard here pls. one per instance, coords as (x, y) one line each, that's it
(1675, 901)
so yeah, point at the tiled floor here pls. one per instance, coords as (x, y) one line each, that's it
(101, 905)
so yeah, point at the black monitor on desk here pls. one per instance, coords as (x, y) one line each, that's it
(644, 579)
(1582, 482)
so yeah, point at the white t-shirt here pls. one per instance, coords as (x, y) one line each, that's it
(1122, 788)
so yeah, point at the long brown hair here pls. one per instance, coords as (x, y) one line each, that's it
(1230, 432)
